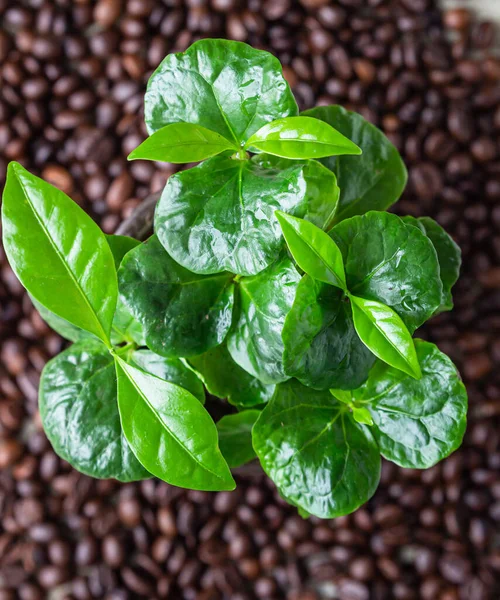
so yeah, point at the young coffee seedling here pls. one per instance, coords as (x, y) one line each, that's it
(273, 280)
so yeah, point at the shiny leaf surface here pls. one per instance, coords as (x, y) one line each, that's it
(79, 411)
(321, 346)
(183, 314)
(180, 143)
(316, 454)
(226, 379)
(170, 432)
(373, 181)
(172, 370)
(235, 437)
(264, 301)
(389, 262)
(225, 86)
(58, 253)
(313, 250)
(384, 333)
(448, 253)
(220, 215)
(416, 422)
(301, 137)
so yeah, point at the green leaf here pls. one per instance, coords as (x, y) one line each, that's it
(225, 86)
(313, 250)
(64, 328)
(448, 253)
(172, 370)
(220, 215)
(301, 137)
(170, 432)
(384, 333)
(235, 437)
(362, 415)
(390, 262)
(58, 253)
(321, 346)
(321, 194)
(79, 411)
(416, 422)
(125, 327)
(180, 143)
(226, 379)
(183, 314)
(373, 181)
(316, 454)
(255, 341)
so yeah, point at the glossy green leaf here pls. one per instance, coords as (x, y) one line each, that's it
(301, 137)
(225, 86)
(79, 411)
(384, 333)
(180, 143)
(390, 262)
(183, 314)
(172, 370)
(64, 328)
(58, 253)
(170, 432)
(235, 437)
(316, 454)
(264, 301)
(417, 422)
(321, 346)
(226, 379)
(373, 181)
(313, 250)
(126, 328)
(220, 215)
(321, 195)
(448, 253)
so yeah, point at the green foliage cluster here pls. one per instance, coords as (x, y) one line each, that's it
(274, 281)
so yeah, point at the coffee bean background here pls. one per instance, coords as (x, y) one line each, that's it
(72, 78)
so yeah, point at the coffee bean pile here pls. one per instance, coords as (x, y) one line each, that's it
(72, 78)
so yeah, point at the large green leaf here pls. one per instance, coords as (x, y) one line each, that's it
(172, 370)
(79, 411)
(264, 301)
(183, 314)
(316, 454)
(220, 215)
(235, 437)
(384, 333)
(225, 86)
(121, 245)
(226, 379)
(373, 181)
(313, 250)
(416, 422)
(321, 346)
(58, 253)
(390, 262)
(170, 432)
(182, 143)
(301, 137)
(448, 253)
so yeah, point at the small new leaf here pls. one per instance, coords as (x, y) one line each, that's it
(169, 431)
(301, 137)
(384, 333)
(181, 143)
(313, 250)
